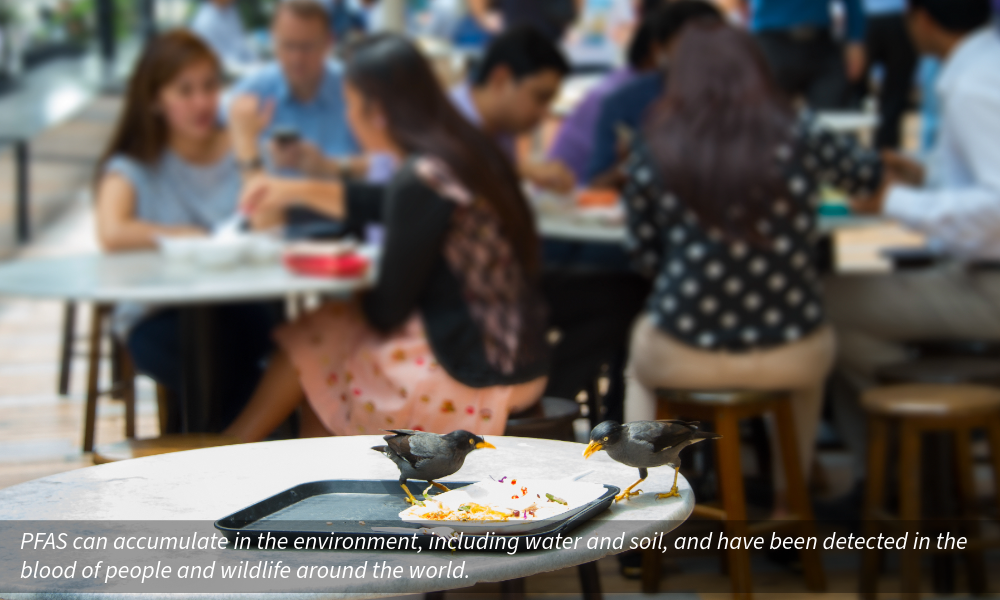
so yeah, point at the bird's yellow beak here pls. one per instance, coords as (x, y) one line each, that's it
(593, 447)
(485, 445)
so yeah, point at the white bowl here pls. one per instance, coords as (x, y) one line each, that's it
(181, 249)
(263, 248)
(222, 253)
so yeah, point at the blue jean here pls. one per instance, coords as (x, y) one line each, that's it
(243, 339)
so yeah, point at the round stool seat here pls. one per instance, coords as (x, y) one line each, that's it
(165, 444)
(959, 370)
(931, 400)
(728, 397)
(549, 418)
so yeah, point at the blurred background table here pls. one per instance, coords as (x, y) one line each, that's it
(149, 278)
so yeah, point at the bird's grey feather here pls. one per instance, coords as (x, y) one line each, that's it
(647, 444)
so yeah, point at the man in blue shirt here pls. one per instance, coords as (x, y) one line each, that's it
(805, 53)
(295, 108)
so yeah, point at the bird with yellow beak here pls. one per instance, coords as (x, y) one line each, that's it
(646, 444)
(428, 456)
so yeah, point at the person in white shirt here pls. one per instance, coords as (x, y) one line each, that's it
(219, 24)
(954, 200)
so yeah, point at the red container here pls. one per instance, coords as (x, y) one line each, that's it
(316, 265)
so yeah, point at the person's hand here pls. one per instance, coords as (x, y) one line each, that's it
(264, 199)
(249, 116)
(301, 156)
(552, 175)
(855, 61)
(492, 22)
(874, 204)
(903, 169)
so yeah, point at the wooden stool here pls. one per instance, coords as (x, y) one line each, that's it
(548, 419)
(165, 444)
(914, 410)
(725, 409)
(942, 370)
(123, 376)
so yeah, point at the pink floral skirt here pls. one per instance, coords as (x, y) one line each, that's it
(359, 381)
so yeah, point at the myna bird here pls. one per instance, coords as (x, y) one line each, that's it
(646, 444)
(428, 456)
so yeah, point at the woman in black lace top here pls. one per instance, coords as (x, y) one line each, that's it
(452, 336)
(722, 197)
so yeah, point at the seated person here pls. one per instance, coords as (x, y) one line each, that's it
(574, 143)
(736, 300)
(453, 334)
(299, 97)
(510, 95)
(219, 24)
(957, 205)
(169, 171)
(622, 112)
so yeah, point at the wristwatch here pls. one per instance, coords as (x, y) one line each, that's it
(254, 164)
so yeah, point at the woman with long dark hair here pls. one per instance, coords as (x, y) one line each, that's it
(169, 171)
(453, 334)
(722, 195)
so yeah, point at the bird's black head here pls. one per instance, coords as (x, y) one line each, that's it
(606, 434)
(464, 441)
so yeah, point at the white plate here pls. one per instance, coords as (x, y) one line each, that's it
(498, 495)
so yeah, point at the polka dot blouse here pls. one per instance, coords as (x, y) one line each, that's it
(719, 294)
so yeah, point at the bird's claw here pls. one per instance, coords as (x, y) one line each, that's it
(627, 495)
(673, 493)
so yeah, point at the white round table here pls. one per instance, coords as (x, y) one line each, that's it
(206, 485)
(148, 277)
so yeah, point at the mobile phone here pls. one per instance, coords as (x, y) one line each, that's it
(285, 136)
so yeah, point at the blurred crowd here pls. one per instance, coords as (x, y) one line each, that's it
(705, 129)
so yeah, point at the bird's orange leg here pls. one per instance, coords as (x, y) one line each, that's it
(409, 496)
(440, 486)
(628, 493)
(673, 493)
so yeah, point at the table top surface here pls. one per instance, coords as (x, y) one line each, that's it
(597, 225)
(212, 483)
(149, 277)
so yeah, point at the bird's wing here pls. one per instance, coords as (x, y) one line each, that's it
(413, 446)
(661, 434)
(691, 424)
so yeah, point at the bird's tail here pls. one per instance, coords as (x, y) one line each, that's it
(382, 449)
(706, 435)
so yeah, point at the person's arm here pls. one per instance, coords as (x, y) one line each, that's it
(416, 220)
(482, 11)
(118, 229)
(267, 199)
(965, 219)
(548, 175)
(855, 54)
(248, 118)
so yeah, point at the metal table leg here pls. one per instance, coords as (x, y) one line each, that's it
(199, 411)
(22, 156)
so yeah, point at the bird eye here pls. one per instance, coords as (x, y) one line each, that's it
(605, 439)
(472, 442)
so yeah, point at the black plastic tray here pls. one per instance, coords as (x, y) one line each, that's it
(352, 507)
